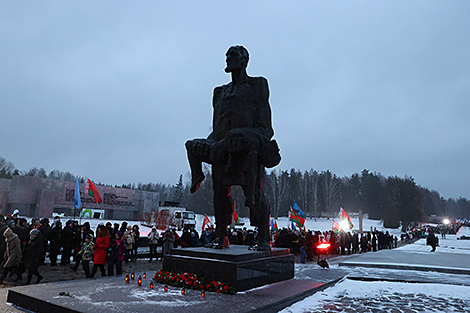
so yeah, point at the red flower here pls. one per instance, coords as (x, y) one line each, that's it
(177, 280)
(201, 286)
(195, 283)
(226, 287)
(218, 290)
(208, 286)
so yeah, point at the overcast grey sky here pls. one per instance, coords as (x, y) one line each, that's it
(111, 90)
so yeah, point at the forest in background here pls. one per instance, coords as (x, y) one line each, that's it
(395, 200)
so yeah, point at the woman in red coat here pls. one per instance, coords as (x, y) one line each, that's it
(100, 250)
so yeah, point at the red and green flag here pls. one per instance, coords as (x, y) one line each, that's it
(336, 227)
(275, 229)
(235, 216)
(293, 217)
(92, 191)
(205, 222)
(345, 217)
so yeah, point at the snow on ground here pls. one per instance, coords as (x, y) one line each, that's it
(321, 224)
(384, 296)
(359, 296)
(450, 244)
(464, 231)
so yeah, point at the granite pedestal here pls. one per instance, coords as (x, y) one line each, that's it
(242, 268)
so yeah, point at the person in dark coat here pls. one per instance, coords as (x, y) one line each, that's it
(68, 239)
(118, 249)
(12, 254)
(45, 230)
(22, 231)
(135, 246)
(32, 255)
(56, 242)
(77, 241)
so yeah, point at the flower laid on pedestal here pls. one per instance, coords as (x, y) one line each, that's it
(192, 281)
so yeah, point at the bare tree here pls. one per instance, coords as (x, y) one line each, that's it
(331, 190)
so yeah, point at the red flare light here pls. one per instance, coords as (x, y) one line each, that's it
(323, 246)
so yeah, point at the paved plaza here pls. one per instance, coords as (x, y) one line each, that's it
(408, 279)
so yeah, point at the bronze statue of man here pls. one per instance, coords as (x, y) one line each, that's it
(239, 147)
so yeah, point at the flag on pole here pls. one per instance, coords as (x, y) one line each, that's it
(235, 216)
(92, 191)
(298, 209)
(296, 219)
(344, 216)
(275, 229)
(336, 227)
(77, 202)
(205, 222)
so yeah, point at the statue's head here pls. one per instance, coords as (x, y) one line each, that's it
(236, 58)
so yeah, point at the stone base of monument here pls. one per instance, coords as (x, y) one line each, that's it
(243, 269)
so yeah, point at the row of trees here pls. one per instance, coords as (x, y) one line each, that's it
(393, 199)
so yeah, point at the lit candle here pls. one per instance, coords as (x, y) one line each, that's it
(183, 291)
(132, 275)
(166, 288)
(151, 285)
(203, 294)
(127, 279)
(144, 275)
(139, 281)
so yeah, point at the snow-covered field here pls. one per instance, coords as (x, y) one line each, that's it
(450, 244)
(453, 295)
(359, 296)
(321, 224)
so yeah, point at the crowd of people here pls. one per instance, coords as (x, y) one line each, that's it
(25, 246)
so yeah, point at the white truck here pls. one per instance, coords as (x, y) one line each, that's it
(169, 213)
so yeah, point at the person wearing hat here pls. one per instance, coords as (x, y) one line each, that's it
(86, 253)
(56, 242)
(68, 236)
(12, 253)
(118, 249)
(32, 255)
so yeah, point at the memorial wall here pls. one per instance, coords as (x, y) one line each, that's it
(40, 197)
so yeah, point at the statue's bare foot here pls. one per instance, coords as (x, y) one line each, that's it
(196, 183)
(262, 246)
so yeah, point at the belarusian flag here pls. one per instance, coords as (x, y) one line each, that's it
(275, 229)
(296, 219)
(336, 227)
(344, 216)
(235, 216)
(205, 222)
(92, 191)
